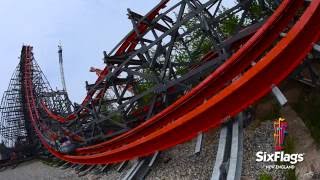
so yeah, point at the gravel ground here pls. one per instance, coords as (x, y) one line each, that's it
(258, 139)
(176, 163)
(180, 162)
(111, 174)
(35, 170)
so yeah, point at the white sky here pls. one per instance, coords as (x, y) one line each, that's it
(85, 27)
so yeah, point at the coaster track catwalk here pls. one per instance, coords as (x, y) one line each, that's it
(157, 90)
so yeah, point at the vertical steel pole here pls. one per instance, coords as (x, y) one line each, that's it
(61, 69)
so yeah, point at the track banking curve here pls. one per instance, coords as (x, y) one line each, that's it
(126, 45)
(173, 125)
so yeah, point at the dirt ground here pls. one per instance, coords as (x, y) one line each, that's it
(36, 170)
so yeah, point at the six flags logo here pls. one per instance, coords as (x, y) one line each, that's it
(280, 132)
(279, 156)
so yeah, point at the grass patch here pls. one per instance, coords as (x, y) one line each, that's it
(265, 176)
(291, 175)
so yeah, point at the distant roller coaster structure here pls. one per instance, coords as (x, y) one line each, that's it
(177, 73)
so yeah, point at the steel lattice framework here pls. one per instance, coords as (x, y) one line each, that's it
(16, 130)
(14, 127)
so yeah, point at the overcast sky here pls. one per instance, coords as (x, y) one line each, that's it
(85, 27)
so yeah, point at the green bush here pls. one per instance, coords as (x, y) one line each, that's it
(290, 175)
(265, 176)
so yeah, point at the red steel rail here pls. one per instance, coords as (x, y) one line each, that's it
(127, 45)
(274, 67)
(234, 66)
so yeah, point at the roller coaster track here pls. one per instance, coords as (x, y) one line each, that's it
(207, 88)
(262, 59)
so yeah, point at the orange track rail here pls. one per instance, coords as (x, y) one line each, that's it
(250, 87)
